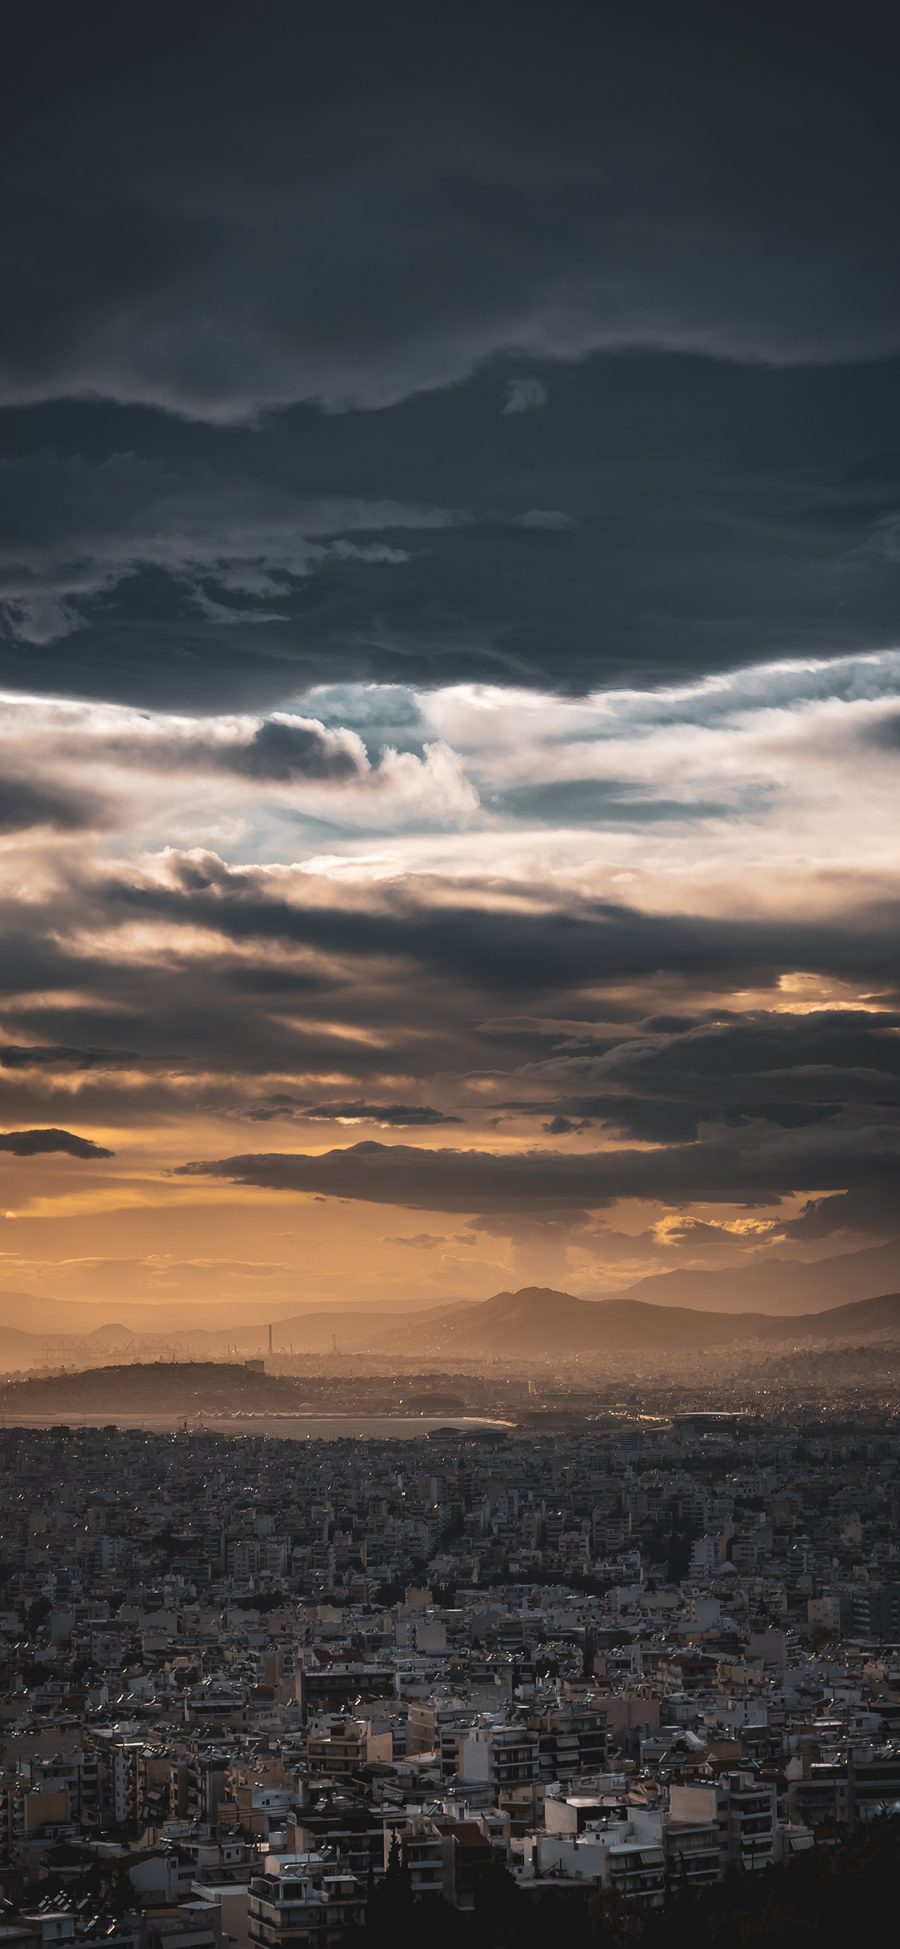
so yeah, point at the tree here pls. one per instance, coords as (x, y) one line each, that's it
(390, 1911)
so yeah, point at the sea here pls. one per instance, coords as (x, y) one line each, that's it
(284, 1427)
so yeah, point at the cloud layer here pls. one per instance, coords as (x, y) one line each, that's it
(568, 367)
(661, 1029)
(448, 647)
(354, 232)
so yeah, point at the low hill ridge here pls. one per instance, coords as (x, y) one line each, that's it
(162, 1386)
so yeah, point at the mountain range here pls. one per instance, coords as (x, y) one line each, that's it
(533, 1323)
(537, 1321)
(772, 1285)
(769, 1298)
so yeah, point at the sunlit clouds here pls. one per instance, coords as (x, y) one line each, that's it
(611, 980)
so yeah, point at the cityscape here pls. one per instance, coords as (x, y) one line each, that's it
(449, 976)
(251, 1681)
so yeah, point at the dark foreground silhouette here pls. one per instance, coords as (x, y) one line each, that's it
(825, 1899)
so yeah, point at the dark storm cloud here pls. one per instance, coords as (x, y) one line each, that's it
(516, 951)
(873, 1207)
(670, 1078)
(50, 1055)
(661, 226)
(25, 804)
(229, 547)
(39, 1143)
(282, 750)
(752, 1057)
(402, 1115)
(753, 1168)
(715, 516)
(655, 1120)
(262, 219)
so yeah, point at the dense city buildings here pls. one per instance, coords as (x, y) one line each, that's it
(247, 1682)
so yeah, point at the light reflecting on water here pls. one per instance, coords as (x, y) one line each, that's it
(299, 1427)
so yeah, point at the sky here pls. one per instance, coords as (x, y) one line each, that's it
(449, 648)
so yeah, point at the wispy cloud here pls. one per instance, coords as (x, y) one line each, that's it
(525, 395)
